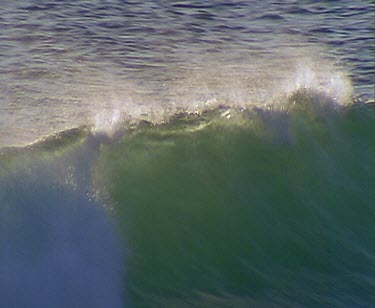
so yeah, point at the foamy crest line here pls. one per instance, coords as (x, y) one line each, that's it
(210, 88)
(322, 79)
(107, 121)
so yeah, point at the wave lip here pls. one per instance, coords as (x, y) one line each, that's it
(328, 82)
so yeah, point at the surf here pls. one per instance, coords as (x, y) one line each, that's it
(244, 210)
(225, 206)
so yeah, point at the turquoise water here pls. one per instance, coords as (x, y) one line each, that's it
(187, 154)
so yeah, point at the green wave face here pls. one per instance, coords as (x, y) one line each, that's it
(226, 208)
(253, 208)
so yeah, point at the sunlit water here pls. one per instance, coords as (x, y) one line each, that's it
(63, 63)
(205, 154)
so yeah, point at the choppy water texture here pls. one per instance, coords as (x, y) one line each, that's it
(63, 62)
(189, 154)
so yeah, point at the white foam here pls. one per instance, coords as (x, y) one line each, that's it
(107, 121)
(321, 78)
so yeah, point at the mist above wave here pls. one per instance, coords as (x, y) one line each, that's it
(213, 83)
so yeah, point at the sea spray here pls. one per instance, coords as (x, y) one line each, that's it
(320, 77)
(59, 246)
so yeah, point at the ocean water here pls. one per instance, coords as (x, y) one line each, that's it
(187, 154)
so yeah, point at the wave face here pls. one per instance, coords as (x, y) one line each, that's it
(263, 209)
(231, 207)
(187, 154)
